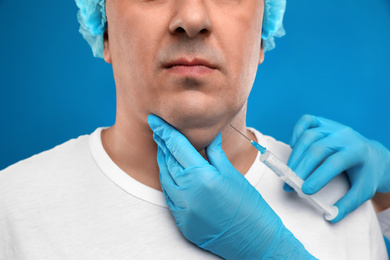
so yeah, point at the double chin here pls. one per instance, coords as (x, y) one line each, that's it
(202, 137)
(201, 130)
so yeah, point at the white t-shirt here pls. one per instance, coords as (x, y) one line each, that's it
(384, 221)
(73, 202)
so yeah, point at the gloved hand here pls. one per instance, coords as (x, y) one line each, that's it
(322, 149)
(214, 206)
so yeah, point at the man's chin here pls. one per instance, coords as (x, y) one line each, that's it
(199, 128)
(199, 119)
(195, 120)
(200, 138)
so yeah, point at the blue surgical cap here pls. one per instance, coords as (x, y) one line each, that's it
(272, 22)
(93, 23)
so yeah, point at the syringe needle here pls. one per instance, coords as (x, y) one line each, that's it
(240, 133)
(258, 147)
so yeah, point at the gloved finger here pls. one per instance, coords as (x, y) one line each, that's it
(287, 188)
(304, 123)
(168, 199)
(312, 157)
(176, 143)
(174, 167)
(166, 180)
(160, 143)
(350, 202)
(170, 203)
(176, 211)
(306, 139)
(180, 175)
(217, 156)
(309, 151)
(329, 169)
(171, 190)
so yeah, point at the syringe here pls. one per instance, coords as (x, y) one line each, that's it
(292, 179)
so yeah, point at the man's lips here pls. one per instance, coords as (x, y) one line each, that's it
(189, 62)
(190, 67)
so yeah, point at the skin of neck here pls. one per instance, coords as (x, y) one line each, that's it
(130, 145)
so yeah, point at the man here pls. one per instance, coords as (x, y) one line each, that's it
(191, 63)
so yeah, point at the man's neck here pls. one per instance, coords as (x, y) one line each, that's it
(131, 146)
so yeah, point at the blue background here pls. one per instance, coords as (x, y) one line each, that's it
(333, 62)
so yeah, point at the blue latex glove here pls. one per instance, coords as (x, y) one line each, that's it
(322, 149)
(214, 206)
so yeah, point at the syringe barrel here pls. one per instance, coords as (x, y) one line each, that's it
(292, 179)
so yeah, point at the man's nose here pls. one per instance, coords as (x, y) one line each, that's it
(192, 17)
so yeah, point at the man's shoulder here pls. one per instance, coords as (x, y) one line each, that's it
(46, 164)
(44, 183)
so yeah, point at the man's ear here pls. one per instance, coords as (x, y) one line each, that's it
(106, 50)
(261, 58)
